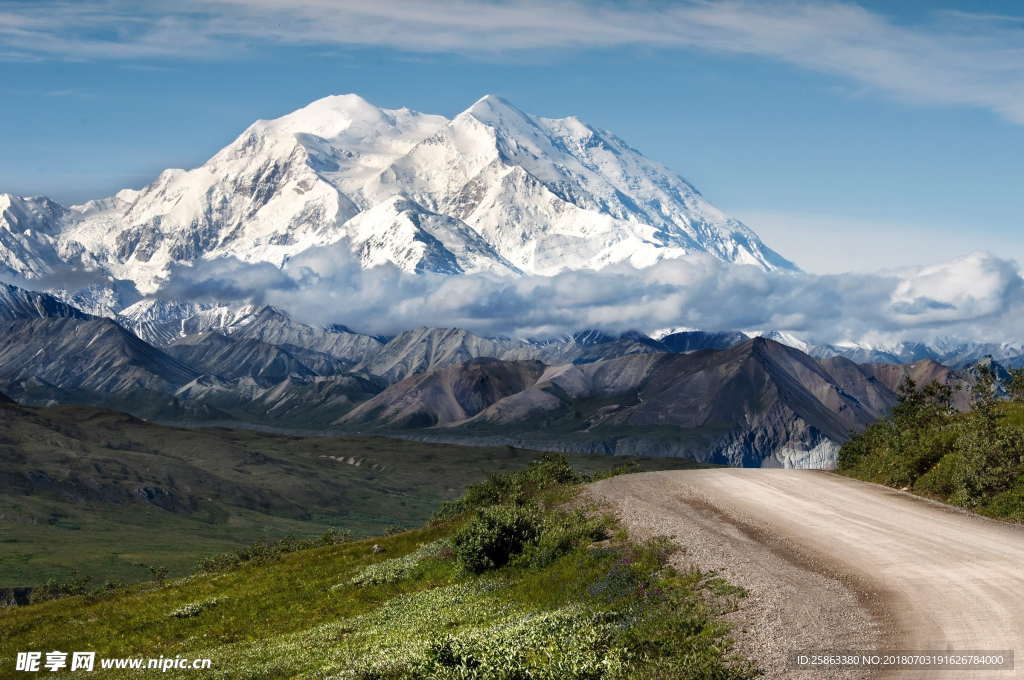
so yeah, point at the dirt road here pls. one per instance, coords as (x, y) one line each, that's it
(834, 563)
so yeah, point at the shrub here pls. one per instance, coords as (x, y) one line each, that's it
(626, 468)
(514, 488)
(262, 553)
(562, 532)
(53, 589)
(571, 643)
(967, 459)
(195, 608)
(495, 536)
(158, 573)
(399, 568)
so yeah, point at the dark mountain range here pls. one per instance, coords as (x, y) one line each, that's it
(295, 402)
(693, 341)
(691, 394)
(758, 403)
(18, 303)
(91, 354)
(231, 358)
(447, 395)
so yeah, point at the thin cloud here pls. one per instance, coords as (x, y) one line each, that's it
(964, 59)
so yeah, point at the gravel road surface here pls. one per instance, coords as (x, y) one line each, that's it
(836, 564)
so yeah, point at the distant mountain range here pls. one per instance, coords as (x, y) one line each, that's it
(946, 351)
(718, 397)
(492, 190)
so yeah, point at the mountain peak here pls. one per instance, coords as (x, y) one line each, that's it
(329, 117)
(494, 110)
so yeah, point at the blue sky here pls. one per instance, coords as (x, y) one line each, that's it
(849, 137)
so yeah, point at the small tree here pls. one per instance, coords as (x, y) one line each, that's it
(1016, 386)
(921, 407)
(985, 401)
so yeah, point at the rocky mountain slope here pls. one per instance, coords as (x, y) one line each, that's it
(759, 403)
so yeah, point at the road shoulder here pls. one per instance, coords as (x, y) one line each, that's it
(793, 604)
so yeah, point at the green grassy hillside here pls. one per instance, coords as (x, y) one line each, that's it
(973, 460)
(515, 580)
(110, 495)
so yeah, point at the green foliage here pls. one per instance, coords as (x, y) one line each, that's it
(54, 589)
(1016, 384)
(193, 609)
(400, 568)
(262, 553)
(967, 459)
(626, 468)
(158, 573)
(496, 535)
(561, 532)
(570, 643)
(515, 488)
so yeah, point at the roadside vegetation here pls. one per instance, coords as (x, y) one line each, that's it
(518, 579)
(974, 460)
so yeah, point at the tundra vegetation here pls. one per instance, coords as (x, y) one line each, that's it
(118, 499)
(519, 578)
(974, 460)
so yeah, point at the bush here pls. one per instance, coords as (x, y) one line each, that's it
(495, 536)
(967, 459)
(262, 553)
(514, 488)
(571, 643)
(626, 468)
(399, 568)
(193, 609)
(562, 532)
(53, 589)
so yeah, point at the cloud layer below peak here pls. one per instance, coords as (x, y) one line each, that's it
(976, 297)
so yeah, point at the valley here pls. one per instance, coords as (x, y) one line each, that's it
(109, 496)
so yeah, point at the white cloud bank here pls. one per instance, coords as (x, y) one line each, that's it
(952, 58)
(979, 296)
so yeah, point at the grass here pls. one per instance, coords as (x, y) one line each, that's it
(569, 604)
(110, 495)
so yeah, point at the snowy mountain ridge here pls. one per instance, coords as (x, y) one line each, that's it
(492, 190)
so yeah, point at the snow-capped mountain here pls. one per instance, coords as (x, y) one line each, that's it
(492, 190)
(952, 352)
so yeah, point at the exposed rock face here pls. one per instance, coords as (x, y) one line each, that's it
(15, 597)
(447, 395)
(229, 358)
(18, 303)
(93, 354)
